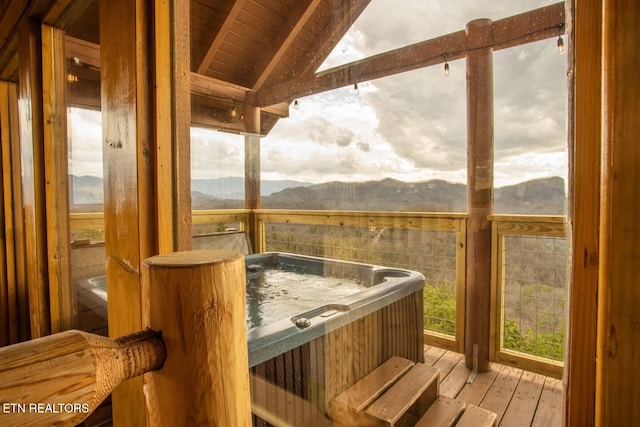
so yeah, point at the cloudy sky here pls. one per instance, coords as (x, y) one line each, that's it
(410, 127)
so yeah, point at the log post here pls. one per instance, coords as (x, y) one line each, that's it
(479, 191)
(252, 173)
(197, 299)
(60, 379)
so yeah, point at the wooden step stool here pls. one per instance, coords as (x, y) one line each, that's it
(403, 393)
(396, 393)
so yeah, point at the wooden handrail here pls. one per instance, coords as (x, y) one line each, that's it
(60, 379)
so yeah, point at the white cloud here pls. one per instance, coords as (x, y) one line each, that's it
(85, 142)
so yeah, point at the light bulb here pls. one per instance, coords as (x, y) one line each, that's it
(234, 111)
(355, 89)
(446, 68)
(560, 45)
(295, 104)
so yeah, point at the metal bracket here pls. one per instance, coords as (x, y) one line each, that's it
(474, 373)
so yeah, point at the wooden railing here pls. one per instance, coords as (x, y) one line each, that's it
(432, 243)
(358, 236)
(529, 292)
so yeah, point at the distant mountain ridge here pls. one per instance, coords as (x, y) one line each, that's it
(545, 196)
(89, 189)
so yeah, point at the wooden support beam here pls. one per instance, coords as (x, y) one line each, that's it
(532, 26)
(618, 355)
(56, 173)
(11, 16)
(585, 136)
(479, 192)
(221, 35)
(145, 128)
(129, 168)
(222, 92)
(252, 173)
(345, 13)
(172, 120)
(33, 180)
(63, 13)
(296, 20)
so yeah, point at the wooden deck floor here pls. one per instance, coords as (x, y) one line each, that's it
(518, 397)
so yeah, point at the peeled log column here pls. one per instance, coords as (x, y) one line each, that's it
(197, 299)
(60, 379)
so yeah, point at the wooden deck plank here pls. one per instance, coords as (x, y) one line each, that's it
(444, 412)
(473, 393)
(453, 383)
(447, 362)
(523, 405)
(494, 390)
(432, 355)
(549, 411)
(501, 391)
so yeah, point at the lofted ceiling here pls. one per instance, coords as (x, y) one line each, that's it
(262, 53)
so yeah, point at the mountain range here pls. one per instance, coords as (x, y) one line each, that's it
(545, 196)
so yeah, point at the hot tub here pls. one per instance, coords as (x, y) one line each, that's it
(318, 352)
(324, 345)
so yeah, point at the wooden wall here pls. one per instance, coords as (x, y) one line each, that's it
(14, 311)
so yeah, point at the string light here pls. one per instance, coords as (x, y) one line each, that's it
(72, 78)
(234, 111)
(295, 104)
(560, 45)
(355, 89)
(446, 64)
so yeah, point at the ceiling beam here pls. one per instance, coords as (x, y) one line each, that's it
(222, 34)
(296, 20)
(214, 118)
(12, 13)
(227, 93)
(345, 13)
(64, 13)
(520, 29)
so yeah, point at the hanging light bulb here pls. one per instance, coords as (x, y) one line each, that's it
(295, 104)
(234, 111)
(446, 64)
(355, 89)
(560, 45)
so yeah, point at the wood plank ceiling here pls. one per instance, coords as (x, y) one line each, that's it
(238, 47)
